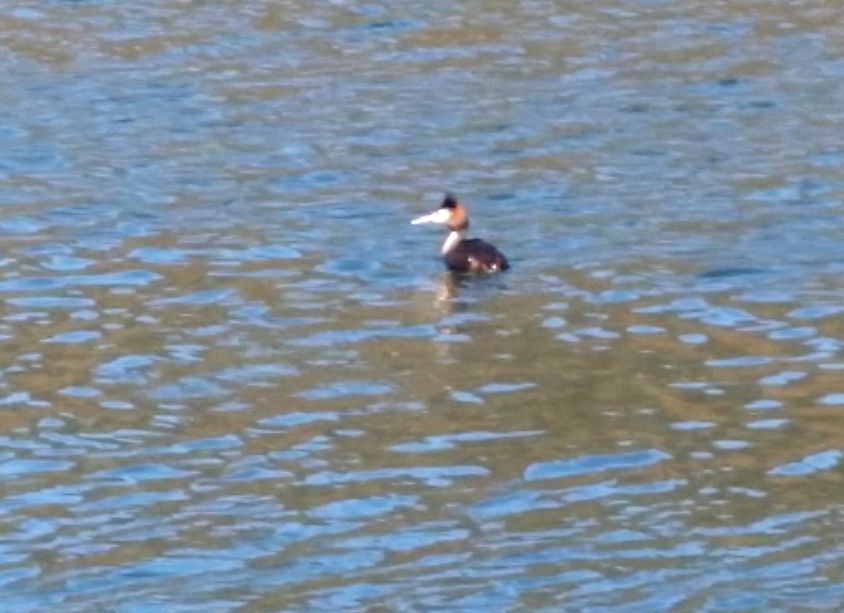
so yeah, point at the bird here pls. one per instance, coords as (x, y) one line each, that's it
(461, 254)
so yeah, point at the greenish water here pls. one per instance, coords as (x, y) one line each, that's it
(234, 378)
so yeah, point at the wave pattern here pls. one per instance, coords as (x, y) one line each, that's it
(235, 379)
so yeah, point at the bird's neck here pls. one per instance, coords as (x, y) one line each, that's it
(451, 241)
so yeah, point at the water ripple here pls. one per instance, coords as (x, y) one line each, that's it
(341, 389)
(363, 507)
(813, 463)
(593, 464)
(122, 278)
(449, 441)
(433, 476)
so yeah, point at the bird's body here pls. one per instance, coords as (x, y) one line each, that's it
(461, 254)
(475, 255)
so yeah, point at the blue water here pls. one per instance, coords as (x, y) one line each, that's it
(235, 378)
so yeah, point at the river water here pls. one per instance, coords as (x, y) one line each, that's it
(234, 378)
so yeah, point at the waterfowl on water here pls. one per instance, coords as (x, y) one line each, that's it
(462, 254)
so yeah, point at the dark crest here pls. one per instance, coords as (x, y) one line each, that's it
(449, 202)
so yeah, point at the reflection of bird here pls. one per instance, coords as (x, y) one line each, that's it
(462, 254)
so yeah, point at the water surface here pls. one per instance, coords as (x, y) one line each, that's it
(234, 378)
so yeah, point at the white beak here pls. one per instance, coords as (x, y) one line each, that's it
(438, 216)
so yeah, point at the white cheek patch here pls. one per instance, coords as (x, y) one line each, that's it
(441, 215)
